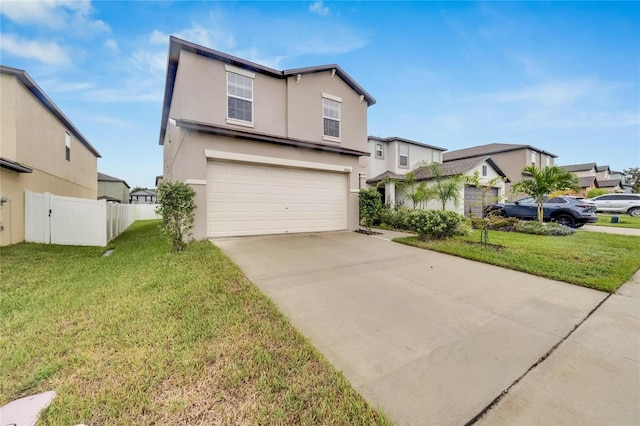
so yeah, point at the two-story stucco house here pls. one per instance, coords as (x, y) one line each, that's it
(112, 189)
(592, 176)
(394, 157)
(40, 150)
(266, 151)
(510, 158)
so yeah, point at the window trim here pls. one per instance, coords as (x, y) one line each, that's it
(400, 146)
(339, 119)
(251, 76)
(67, 146)
(533, 158)
(381, 155)
(484, 170)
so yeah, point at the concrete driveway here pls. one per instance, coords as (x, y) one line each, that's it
(427, 337)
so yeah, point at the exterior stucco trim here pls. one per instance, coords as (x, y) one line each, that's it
(196, 181)
(260, 137)
(14, 166)
(274, 161)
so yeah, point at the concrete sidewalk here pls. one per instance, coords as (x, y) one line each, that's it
(429, 338)
(612, 230)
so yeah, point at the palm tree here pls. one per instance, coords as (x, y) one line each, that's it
(445, 189)
(543, 182)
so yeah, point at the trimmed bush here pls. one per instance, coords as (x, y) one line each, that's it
(176, 206)
(595, 192)
(533, 227)
(370, 206)
(433, 224)
(495, 223)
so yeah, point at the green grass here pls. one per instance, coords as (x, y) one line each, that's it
(624, 221)
(590, 259)
(146, 336)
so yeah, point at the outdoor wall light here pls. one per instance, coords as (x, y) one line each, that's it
(3, 200)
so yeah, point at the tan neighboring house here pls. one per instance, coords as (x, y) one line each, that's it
(112, 189)
(592, 176)
(41, 151)
(267, 151)
(143, 196)
(510, 158)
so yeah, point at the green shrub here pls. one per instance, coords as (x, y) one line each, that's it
(495, 223)
(433, 224)
(393, 218)
(533, 227)
(370, 206)
(464, 228)
(176, 206)
(595, 192)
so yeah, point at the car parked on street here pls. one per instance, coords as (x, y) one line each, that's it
(565, 210)
(618, 203)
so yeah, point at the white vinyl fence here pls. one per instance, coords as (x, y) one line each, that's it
(54, 219)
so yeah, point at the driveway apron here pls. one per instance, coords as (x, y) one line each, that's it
(428, 338)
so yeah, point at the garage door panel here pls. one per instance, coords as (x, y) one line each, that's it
(252, 199)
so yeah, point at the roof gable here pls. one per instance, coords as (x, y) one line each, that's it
(106, 178)
(580, 167)
(26, 80)
(409, 141)
(176, 45)
(489, 149)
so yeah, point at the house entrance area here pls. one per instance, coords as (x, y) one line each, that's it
(258, 199)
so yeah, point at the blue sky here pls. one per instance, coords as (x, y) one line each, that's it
(562, 76)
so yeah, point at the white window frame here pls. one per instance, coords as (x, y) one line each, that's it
(484, 170)
(325, 97)
(67, 146)
(400, 146)
(533, 158)
(251, 76)
(548, 161)
(379, 153)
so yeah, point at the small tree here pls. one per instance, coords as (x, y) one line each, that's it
(445, 190)
(370, 206)
(631, 176)
(176, 206)
(484, 190)
(543, 182)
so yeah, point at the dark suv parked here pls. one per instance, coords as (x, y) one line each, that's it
(570, 211)
(618, 203)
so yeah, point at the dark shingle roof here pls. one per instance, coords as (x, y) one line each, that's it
(397, 139)
(448, 168)
(492, 148)
(106, 178)
(587, 181)
(602, 168)
(609, 183)
(579, 167)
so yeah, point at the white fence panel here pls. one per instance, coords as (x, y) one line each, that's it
(146, 211)
(78, 221)
(36, 211)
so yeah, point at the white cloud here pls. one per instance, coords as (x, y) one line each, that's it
(55, 14)
(112, 45)
(113, 122)
(44, 51)
(319, 8)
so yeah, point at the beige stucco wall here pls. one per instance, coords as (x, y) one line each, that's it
(200, 94)
(33, 136)
(192, 168)
(418, 156)
(304, 114)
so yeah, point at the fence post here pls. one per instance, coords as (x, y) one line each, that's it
(46, 217)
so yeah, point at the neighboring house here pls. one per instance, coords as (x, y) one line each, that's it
(266, 151)
(395, 157)
(470, 196)
(41, 151)
(143, 196)
(510, 158)
(593, 176)
(112, 189)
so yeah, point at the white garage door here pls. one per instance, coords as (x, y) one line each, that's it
(254, 199)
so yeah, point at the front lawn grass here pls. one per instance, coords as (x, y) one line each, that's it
(624, 221)
(591, 259)
(145, 336)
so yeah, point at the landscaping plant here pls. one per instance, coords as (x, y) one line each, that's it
(176, 206)
(433, 224)
(370, 206)
(484, 188)
(544, 181)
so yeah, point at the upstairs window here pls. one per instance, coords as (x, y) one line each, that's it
(548, 161)
(67, 146)
(379, 151)
(403, 155)
(533, 159)
(239, 96)
(331, 117)
(484, 170)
